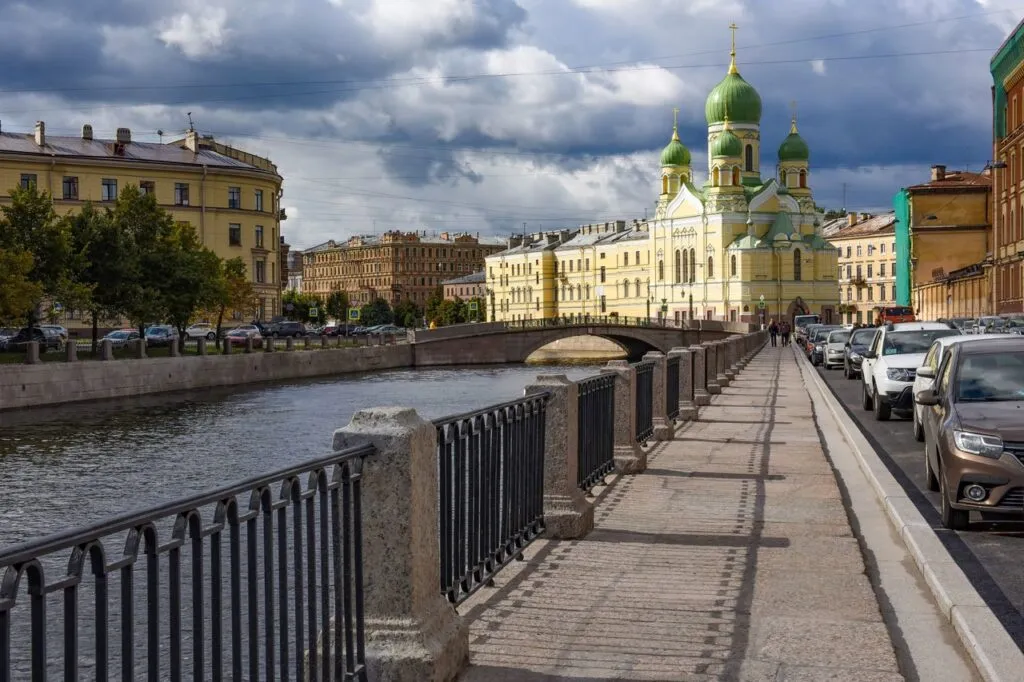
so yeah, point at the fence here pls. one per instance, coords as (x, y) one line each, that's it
(292, 572)
(596, 423)
(644, 401)
(491, 488)
(672, 387)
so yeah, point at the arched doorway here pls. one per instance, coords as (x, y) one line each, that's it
(797, 307)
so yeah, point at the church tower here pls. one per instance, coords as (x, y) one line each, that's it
(733, 112)
(794, 162)
(675, 166)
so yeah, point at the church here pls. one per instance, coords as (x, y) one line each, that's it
(741, 246)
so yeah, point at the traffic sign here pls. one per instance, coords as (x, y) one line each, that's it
(313, 312)
(57, 307)
(353, 314)
(474, 306)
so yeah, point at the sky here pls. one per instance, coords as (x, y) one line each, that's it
(485, 115)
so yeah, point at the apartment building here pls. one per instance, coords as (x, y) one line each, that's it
(867, 265)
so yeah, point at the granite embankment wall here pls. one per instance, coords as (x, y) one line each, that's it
(53, 383)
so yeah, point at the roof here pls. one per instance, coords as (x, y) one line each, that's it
(147, 152)
(1010, 342)
(472, 278)
(955, 180)
(869, 227)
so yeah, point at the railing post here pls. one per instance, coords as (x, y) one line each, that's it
(412, 632)
(700, 380)
(721, 378)
(687, 407)
(729, 345)
(201, 346)
(711, 368)
(250, 344)
(175, 350)
(106, 349)
(140, 349)
(71, 348)
(629, 456)
(567, 513)
(32, 353)
(662, 427)
(289, 343)
(269, 344)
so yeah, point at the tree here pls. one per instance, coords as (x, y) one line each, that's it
(191, 277)
(300, 305)
(481, 310)
(30, 225)
(407, 314)
(235, 291)
(337, 306)
(100, 266)
(376, 312)
(18, 293)
(434, 301)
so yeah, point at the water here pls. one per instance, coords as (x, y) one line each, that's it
(78, 464)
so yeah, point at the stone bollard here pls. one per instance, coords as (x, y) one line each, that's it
(711, 368)
(323, 340)
(662, 427)
(106, 349)
(289, 343)
(567, 513)
(307, 342)
(32, 353)
(728, 358)
(721, 378)
(269, 344)
(173, 351)
(225, 346)
(201, 347)
(140, 349)
(71, 350)
(630, 458)
(250, 344)
(687, 408)
(700, 380)
(412, 632)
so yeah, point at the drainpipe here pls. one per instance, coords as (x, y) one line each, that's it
(202, 206)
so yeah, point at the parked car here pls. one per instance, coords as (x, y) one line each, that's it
(119, 338)
(853, 351)
(974, 433)
(835, 347)
(60, 331)
(48, 339)
(285, 328)
(240, 335)
(890, 366)
(5, 334)
(201, 330)
(816, 343)
(160, 335)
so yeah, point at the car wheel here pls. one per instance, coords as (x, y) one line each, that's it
(918, 428)
(865, 400)
(953, 519)
(211, 336)
(883, 410)
(930, 480)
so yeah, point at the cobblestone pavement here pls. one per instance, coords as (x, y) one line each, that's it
(730, 558)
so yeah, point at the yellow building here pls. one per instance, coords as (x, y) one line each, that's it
(867, 265)
(719, 252)
(231, 198)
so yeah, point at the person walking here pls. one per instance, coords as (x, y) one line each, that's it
(773, 329)
(784, 330)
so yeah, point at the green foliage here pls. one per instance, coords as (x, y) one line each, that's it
(18, 293)
(434, 303)
(234, 291)
(377, 312)
(301, 303)
(408, 314)
(337, 306)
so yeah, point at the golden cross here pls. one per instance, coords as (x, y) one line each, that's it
(733, 27)
(675, 118)
(792, 108)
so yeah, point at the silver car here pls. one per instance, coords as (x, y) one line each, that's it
(835, 345)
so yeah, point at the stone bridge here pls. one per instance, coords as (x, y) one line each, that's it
(490, 343)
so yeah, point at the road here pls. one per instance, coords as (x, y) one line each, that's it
(990, 555)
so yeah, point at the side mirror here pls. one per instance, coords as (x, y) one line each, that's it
(927, 397)
(869, 355)
(926, 372)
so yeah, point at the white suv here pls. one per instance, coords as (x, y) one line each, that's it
(890, 365)
(201, 330)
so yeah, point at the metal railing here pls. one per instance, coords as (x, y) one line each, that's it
(672, 387)
(644, 401)
(596, 421)
(491, 496)
(286, 548)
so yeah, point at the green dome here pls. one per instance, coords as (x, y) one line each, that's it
(676, 153)
(726, 144)
(793, 148)
(734, 99)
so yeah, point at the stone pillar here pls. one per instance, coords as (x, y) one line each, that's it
(721, 378)
(71, 350)
(629, 456)
(140, 349)
(225, 346)
(567, 513)
(700, 379)
(711, 368)
(687, 408)
(730, 357)
(106, 349)
(269, 344)
(289, 343)
(662, 427)
(307, 342)
(201, 346)
(323, 340)
(174, 349)
(412, 632)
(250, 344)
(32, 353)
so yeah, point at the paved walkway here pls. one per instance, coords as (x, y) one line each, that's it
(731, 558)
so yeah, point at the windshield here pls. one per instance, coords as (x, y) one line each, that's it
(991, 377)
(862, 337)
(839, 337)
(117, 335)
(899, 343)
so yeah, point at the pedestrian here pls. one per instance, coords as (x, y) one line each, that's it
(784, 330)
(773, 329)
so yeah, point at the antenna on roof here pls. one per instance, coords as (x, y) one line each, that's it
(160, 133)
(191, 127)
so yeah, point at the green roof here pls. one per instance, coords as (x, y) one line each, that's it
(793, 148)
(733, 99)
(727, 145)
(676, 153)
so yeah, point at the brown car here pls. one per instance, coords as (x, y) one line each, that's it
(973, 420)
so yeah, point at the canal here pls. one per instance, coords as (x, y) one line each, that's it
(77, 464)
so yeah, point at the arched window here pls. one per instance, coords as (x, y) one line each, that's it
(797, 266)
(637, 285)
(693, 265)
(586, 290)
(579, 293)
(732, 265)
(686, 266)
(679, 267)
(803, 179)
(749, 157)
(736, 176)
(715, 177)
(711, 267)
(664, 184)
(661, 271)
(625, 290)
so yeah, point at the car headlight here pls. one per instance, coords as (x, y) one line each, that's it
(898, 374)
(978, 444)
(855, 356)
(820, 346)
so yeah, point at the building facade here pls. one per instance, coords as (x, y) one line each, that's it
(396, 266)
(473, 285)
(740, 247)
(230, 197)
(867, 266)
(1007, 276)
(943, 226)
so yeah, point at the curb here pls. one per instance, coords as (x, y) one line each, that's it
(990, 647)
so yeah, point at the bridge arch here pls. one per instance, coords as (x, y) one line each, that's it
(634, 347)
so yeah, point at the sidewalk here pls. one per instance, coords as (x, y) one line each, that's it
(730, 558)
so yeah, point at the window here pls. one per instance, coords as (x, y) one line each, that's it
(881, 292)
(803, 179)
(180, 194)
(871, 294)
(881, 269)
(893, 292)
(849, 293)
(679, 267)
(711, 267)
(602, 274)
(259, 199)
(797, 266)
(860, 273)
(732, 261)
(686, 266)
(625, 259)
(70, 185)
(109, 188)
(848, 250)
(735, 176)
(28, 180)
(749, 157)
(693, 265)
(881, 247)
(147, 187)
(259, 236)
(604, 307)
(859, 251)
(661, 270)
(235, 234)
(234, 197)
(261, 271)
(871, 269)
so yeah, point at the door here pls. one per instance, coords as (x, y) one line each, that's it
(867, 365)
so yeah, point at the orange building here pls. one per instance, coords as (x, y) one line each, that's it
(471, 286)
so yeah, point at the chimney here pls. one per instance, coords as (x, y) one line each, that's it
(514, 241)
(40, 133)
(192, 141)
(124, 135)
(87, 132)
(938, 173)
(444, 237)
(851, 219)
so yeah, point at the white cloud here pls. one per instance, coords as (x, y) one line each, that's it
(818, 66)
(197, 33)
